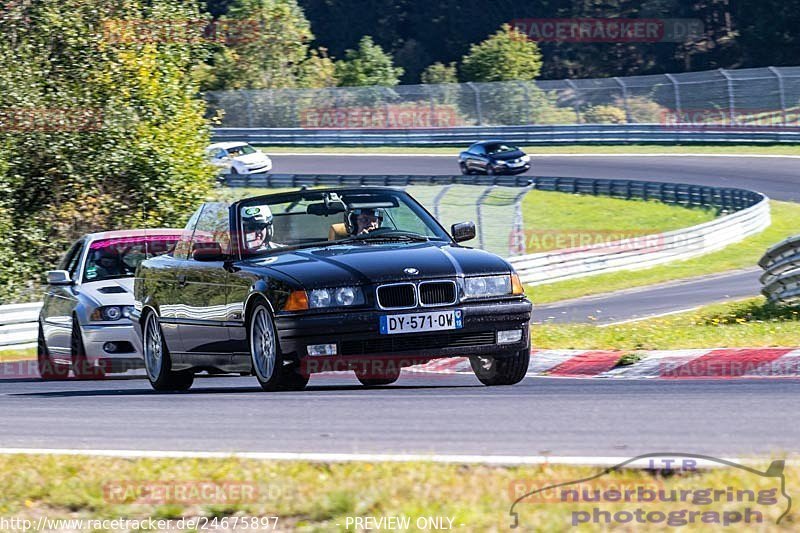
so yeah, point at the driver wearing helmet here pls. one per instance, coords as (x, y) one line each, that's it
(257, 228)
(363, 221)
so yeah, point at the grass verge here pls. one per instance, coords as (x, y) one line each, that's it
(745, 254)
(771, 149)
(321, 497)
(747, 323)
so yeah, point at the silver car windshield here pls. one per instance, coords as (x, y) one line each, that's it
(119, 257)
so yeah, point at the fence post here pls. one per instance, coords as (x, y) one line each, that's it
(527, 112)
(677, 91)
(249, 107)
(624, 99)
(781, 92)
(576, 105)
(478, 111)
(437, 200)
(479, 213)
(731, 100)
(516, 245)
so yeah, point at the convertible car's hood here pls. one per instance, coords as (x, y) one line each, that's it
(109, 292)
(341, 265)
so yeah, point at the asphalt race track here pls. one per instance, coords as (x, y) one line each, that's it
(450, 414)
(777, 177)
(444, 414)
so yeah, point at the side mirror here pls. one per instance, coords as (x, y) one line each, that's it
(59, 277)
(463, 231)
(207, 251)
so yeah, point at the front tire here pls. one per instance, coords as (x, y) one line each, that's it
(82, 368)
(492, 371)
(464, 169)
(266, 357)
(490, 170)
(157, 361)
(48, 370)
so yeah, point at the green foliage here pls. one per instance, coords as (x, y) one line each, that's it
(604, 114)
(506, 55)
(367, 65)
(440, 73)
(267, 48)
(130, 150)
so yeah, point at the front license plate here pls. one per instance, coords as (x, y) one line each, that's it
(420, 322)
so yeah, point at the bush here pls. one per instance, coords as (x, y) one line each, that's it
(604, 114)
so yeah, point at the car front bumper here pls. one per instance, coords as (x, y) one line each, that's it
(357, 335)
(504, 169)
(129, 349)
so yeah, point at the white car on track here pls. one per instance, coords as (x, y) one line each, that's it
(238, 159)
(85, 319)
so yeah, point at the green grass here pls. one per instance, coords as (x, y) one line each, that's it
(745, 254)
(560, 220)
(747, 323)
(320, 497)
(17, 355)
(769, 149)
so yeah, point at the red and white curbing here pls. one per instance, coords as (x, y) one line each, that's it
(723, 363)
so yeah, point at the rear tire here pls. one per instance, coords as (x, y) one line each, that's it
(492, 371)
(490, 171)
(82, 368)
(48, 370)
(157, 361)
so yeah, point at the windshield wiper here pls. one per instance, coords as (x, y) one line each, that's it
(394, 236)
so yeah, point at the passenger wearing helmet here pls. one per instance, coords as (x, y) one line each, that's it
(363, 221)
(257, 228)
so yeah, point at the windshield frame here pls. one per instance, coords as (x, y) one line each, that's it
(135, 239)
(316, 194)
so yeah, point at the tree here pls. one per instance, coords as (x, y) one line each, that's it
(439, 73)
(506, 55)
(265, 45)
(102, 126)
(367, 65)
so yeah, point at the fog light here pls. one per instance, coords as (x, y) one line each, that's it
(321, 349)
(509, 336)
(110, 347)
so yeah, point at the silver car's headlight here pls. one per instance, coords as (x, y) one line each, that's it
(487, 286)
(338, 297)
(111, 313)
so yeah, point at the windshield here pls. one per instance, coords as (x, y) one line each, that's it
(315, 218)
(244, 149)
(499, 148)
(118, 258)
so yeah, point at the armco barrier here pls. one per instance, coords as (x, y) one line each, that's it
(781, 277)
(18, 324)
(527, 135)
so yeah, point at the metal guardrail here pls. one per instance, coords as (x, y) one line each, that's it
(527, 135)
(781, 277)
(18, 324)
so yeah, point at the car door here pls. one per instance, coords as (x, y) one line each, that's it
(167, 282)
(477, 158)
(59, 302)
(204, 295)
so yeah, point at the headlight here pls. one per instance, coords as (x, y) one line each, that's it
(525, 158)
(111, 313)
(487, 286)
(339, 297)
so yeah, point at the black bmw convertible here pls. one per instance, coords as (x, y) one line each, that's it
(365, 279)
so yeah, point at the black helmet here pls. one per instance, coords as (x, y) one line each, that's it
(257, 219)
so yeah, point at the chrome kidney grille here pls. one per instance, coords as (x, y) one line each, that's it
(397, 296)
(437, 293)
(409, 295)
